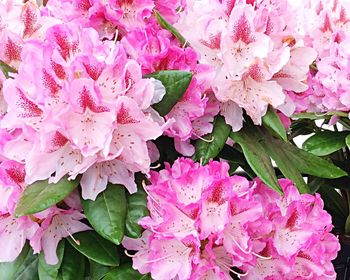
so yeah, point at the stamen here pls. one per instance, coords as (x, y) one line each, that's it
(226, 266)
(203, 139)
(157, 166)
(262, 257)
(239, 246)
(129, 255)
(70, 235)
(129, 86)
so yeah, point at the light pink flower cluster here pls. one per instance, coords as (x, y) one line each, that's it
(326, 26)
(204, 224)
(154, 49)
(256, 53)
(44, 230)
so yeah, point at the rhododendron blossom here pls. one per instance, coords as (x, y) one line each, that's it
(77, 112)
(253, 52)
(205, 223)
(327, 33)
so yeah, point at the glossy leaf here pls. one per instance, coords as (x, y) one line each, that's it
(6, 69)
(206, 150)
(72, 266)
(256, 156)
(278, 154)
(98, 271)
(347, 225)
(310, 164)
(325, 142)
(125, 272)
(272, 122)
(175, 83)
(108, 212)
(23, 268)
(137, 209)
(233, 156)
(166, 25)
(51, 272)
(347, 141)
(96, 248)
(334, 204)
(42, 195)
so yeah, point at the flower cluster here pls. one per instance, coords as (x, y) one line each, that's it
(326, 26)
(204, 224)
(255, 50)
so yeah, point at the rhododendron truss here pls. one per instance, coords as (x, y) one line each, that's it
(204, 224)
(150, 139)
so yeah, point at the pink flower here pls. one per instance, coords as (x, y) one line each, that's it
(79, 105)
(13, 235)
(204, 223)
(57, 224)
(182, 199)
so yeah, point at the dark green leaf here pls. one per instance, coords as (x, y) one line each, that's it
(125, 272)
(310, 164)
(316, 116)
(42, 195)
(166, 25)
(206, 150)
(232, 155)
(335, 204)
(175, 83)
(72, 266)
(347, 141)
(107, 213)
(23, 268)
(278, 154)
(51, 272)
(137, 209)
(256, 156)
(347, 225)
(6, 69)
(96, 248)
(325, 142)
(98, 271)
(272, 122)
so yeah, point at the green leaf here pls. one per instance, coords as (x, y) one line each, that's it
(137, 209)
(6, 69)
(347, 141)
(96, 248)
(335, 204)
(125, 272)
(316, 116)
(72, 266)
(256, 156)
(50, 272)
(310, 164)
(166, 25)
(23, 268)
(233, 156)
(108, 212)
(347, 225)
(272, 122)
(98, 271)
(42, 195)
(175, 83)
(206, 150)
(325, 142)
(275, 149)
